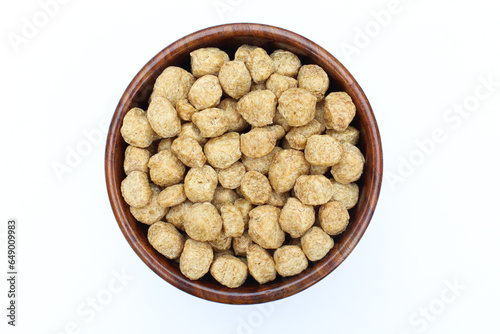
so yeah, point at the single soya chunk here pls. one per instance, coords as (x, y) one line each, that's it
(207, 61)
(290, 260)
(258, 108)
(232, 220)
(241, 244)
(190, 130)
(229, 271)
(202, 222)
(278, 83)
(349, 135)
(173, 84)
(285, 63)
(333, 217)
(200, 184)
(243, 52)
(230, 177)
(347, 194)
(297, 136)
(313, 189)
(286, 167)
(257, 142)
(185, 110)
(245, 207)
(223, 196)
(136, 129)
(152, 212)
(256, 188)
(296, 218)
(165, 169)
(339, 111)
(235, 79)
(165, 238)
(314, 79)
(261, 164)
(260, 65)
(323, 150)
(205, 92)
(278, 199)
(196, 259)
(264, 228)
(135, 189)
(222, 243)
(212, 122)
(316, 243)
(351, 165)
(172, 196)
(136, 159)
(189, 151)
(175, 214)
(165, 144)
(235, 120)
(260, 264)
(297, 106)
(223, 151)
(163, 118)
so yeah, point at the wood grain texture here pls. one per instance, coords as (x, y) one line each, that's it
(229, 37)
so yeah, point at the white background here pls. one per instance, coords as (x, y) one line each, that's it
(436, 223)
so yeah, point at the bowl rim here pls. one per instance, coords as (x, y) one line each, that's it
(288, 287)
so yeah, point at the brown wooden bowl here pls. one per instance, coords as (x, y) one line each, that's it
(229, 37)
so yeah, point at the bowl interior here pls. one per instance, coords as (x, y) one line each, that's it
(228, 38)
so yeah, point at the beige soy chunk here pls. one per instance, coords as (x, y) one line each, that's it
(165, 144)
(260, 264)
(175, 214)
(200, 184)
(314, 79)
(285, 63)
(173, 84)
(223, 196)
(172, 196)
(333, 217)
(318, 170)
(323, 150)
(163, 118)
(165, 238)
(136, 129)
(256, 188)
(296, 218)
(222, 243)
(286, 167)
(235, 79)
(207, 61)
(280, 120)
(236, 121)
(297, 106)
(290, 260)
(135, 189)
(245, 208)
(261, 164)
(232, 220)
(196, 259)
(316, 243)
(211, 122)
(264, 227)
(278, 83)
(229, 271)
(260, 65)
(278, 131)
(297, 137)
(258, 108)
(258, 86)
(347, 194)
(205, 92)
(243, 52)
(202, 222)
(152, 212)
(257, 142)
(230, 177)
(313, 189)
(165, 169)
(351, 165)
(223, 151)
(241, 244)
(190, 130)
(188, 151)
(278, 199)
(349, 135)
(185, 110)
(136, 159)
(339, 111)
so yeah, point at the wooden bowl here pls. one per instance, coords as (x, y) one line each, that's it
(229, 37)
